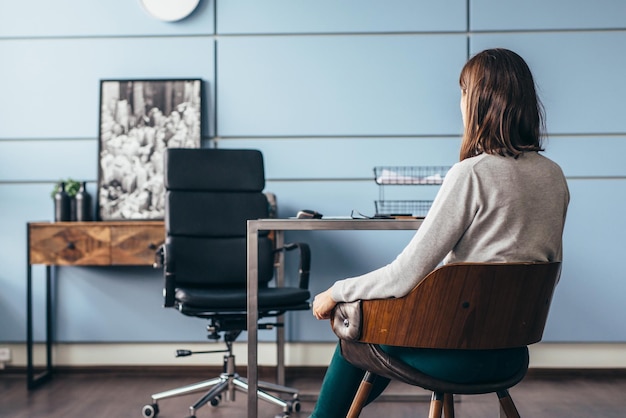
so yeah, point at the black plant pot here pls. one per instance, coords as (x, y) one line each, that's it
(62, 205)
(82, 204)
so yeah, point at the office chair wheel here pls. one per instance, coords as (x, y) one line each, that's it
(216, 401)
(150, 411)
(294, 406)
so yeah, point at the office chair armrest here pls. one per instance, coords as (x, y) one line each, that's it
(346, 320)
(160, 261)
(358, 320)
(272, 204)
(413, 320)
(305, 261)
(158, 257)
(169, 288)
(408, 321)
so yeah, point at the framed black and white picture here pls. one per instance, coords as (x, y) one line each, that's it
(139, 119)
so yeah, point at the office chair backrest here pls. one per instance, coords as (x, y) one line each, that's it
(210, 194)
(466, 306)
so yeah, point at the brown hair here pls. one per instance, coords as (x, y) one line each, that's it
(504, 116)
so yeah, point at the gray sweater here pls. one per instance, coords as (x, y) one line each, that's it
(489, 209)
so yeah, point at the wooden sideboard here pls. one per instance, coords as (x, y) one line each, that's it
(106, 243)
(122, 243)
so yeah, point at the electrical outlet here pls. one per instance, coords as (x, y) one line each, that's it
(5, 354)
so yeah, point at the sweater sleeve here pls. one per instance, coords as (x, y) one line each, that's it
(451, 213)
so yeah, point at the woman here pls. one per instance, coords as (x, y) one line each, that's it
(503, 202)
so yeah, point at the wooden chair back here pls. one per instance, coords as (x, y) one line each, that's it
(466, 306)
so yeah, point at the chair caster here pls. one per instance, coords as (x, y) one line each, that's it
(216, 401)
(150, 411)
(294, 406)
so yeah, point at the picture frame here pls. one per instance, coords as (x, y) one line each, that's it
(139, 119)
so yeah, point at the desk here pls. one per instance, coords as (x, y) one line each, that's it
(121, 243)
(281, 225)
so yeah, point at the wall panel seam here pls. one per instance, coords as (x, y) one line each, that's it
(543, 31)
(310, 34)
(98, 37)
(300, 180)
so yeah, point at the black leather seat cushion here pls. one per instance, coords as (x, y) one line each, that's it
(371, 357)
(224, 299)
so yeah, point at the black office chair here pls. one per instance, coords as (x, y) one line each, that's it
(210, 194)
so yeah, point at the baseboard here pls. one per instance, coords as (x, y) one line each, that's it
(543, 356)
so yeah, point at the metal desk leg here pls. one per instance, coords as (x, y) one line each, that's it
(253, 313)
(49, 308)
(280, 331)
(33, 381)
(29, 328)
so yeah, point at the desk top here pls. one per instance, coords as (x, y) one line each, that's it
(333, 224)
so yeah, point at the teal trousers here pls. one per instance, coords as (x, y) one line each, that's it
(339, 386)
(342, 379)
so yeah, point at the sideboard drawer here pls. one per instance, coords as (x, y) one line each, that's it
(132, 245)
(63, 244)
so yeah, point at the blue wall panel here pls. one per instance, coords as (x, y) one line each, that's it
(584, 156)
(62, 18)
(19, 204)
(339, 85)
(120, 301)
(546, 14)
(588, 304)
(51, 90)
(47, 160)
(580, 76)
(351, 158)
(328, 16)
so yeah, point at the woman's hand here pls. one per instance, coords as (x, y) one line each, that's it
(323, 304)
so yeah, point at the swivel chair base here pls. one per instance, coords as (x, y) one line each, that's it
(227, 382)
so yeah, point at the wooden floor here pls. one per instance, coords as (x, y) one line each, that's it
(121, 394)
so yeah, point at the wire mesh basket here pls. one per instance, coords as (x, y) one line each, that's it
(416, 208)
(414, 175)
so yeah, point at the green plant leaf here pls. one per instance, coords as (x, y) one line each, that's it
(71, 187)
